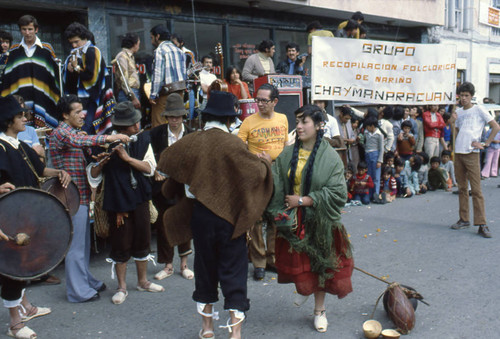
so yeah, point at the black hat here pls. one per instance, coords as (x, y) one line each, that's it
(126, 114)
(221, 104)
(174, 106)
(9, 107)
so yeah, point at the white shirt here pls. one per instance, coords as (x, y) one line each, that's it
(149, 157)
(331, 127)
(171, 136)
(14, 142)
(206, 78)
(31, 50)
(470, 124)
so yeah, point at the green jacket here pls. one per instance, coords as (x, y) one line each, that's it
(329, 194)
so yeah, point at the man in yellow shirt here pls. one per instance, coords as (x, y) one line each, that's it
(359, 18)
(316, 29)
(266, 131)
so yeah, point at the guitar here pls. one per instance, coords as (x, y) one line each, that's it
(219, 85)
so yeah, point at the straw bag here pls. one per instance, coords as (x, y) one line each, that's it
(101, 223)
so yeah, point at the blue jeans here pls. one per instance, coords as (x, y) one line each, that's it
(364, 198)
(371, 159)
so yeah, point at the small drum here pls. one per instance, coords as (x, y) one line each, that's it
(47, 223)
(247, 108)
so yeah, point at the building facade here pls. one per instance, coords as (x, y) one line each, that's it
(473, 26)
(238, 24)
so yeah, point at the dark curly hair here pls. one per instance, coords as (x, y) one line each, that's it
(76, 29)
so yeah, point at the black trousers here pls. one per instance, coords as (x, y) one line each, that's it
(218, 259)
(11, 289)
(132, 238)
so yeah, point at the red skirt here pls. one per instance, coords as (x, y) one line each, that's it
(295, 267)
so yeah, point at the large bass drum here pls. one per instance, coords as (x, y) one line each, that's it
(70, 196)
(45, 220)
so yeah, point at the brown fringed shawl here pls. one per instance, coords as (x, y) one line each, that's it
(222, 174)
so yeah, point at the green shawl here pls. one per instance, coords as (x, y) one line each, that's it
(329, 193)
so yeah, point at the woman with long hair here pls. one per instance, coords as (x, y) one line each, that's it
(314, 253)
(235, 85)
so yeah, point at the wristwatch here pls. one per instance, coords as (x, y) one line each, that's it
(301, 202)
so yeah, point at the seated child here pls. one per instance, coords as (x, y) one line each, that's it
(422, 172)
(400, 177)
(389, 158)
(412, 167)
(406, 141)
(388, 185)
(438, 176)
(360, 184)
(447, 164)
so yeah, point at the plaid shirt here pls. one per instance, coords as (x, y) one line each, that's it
(66, 148)
(169, 66)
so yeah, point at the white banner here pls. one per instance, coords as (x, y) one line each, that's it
(381, 72)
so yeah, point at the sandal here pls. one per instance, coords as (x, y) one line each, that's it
(320, 321)
(120, 296)
(187, 274)
(22, 333)
(202, 334)
(34, 312)
(164, 273)
(214, 315)
(238, 315)
(150, 287)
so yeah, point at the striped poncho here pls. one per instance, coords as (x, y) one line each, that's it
(36, 79)
(93, 86)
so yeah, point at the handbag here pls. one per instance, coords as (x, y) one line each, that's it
(286, 220)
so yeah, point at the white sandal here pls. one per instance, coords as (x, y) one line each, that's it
(23, 333)
(202, 334)
(187, 274)
(120, 296)
(214, 315)
(320, 321)
(238, 315)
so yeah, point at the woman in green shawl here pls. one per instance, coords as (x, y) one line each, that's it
(309, 184)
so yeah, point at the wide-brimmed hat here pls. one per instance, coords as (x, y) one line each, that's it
(9, 107)
(174, 106)
(221, 104)
(126, 114)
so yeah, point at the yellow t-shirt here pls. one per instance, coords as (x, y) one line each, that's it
(265, 135)
(303, 156)
(344, 23)
(322, 32)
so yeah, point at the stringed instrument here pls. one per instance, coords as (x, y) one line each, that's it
(218, 84)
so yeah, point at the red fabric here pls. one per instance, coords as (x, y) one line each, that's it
(294, 267)
(433, 129)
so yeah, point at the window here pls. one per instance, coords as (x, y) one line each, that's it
(207, 36)
(244, 42)
(119, 25)
(283, 38)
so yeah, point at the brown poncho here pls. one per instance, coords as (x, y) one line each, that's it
(222, 174)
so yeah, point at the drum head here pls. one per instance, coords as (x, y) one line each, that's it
(48, 224)
(70, 196)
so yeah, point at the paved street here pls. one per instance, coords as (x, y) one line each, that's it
(456, 271)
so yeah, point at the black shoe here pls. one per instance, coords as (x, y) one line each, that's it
(484, 231)
(102, 288)
(271, 268)
(95, 297)
(259, 273)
